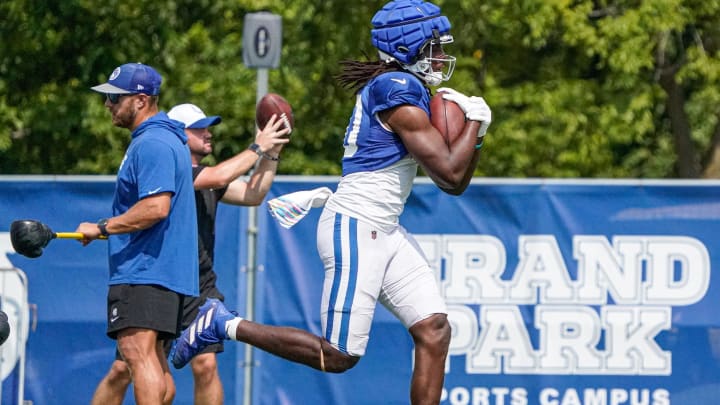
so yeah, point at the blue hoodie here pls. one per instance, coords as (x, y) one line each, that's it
(157, 161)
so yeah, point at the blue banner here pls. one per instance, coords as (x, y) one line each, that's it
(559, 293)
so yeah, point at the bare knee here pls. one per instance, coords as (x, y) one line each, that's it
(432, 333)
(204, 367)
(131, 353)
(335, 360)
(141, 351)
(119, 373)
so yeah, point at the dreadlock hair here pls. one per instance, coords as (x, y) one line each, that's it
(355, 74)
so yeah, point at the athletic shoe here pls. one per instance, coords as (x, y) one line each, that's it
(207, 328)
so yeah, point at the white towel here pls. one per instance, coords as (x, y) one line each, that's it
(289, 209)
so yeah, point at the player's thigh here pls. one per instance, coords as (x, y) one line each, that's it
(410, 290)
(354, 255)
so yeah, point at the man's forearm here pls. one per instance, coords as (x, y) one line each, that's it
(144, 214)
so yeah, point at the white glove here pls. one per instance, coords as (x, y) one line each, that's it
(475, 108)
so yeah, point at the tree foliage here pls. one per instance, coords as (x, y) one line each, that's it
(578, 88)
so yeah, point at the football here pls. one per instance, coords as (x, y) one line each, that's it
(270, 104)
(447, 117)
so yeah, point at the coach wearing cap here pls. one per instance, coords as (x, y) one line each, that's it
(152, 235)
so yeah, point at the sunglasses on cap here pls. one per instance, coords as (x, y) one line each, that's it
(115, 98)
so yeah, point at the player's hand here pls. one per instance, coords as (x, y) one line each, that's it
(271, 136)
(475, 108)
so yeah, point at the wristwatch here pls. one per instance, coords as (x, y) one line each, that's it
(256, 148)
(102, 225)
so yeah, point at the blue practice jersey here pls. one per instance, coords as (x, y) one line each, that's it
(368, 144)
(378, 171)
(157, 161)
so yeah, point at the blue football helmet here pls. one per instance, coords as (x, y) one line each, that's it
(406, 31)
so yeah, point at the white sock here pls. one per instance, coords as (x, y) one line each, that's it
(231, 326)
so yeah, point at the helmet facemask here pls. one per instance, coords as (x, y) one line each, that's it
(432, 54)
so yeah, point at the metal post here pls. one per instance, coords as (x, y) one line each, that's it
(262, 89)
(262, 43)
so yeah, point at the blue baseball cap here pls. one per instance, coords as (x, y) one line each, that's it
(192, 116)
(132, 78)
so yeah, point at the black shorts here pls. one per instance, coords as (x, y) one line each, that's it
(146, 307)
(191, 306)
(208, 289)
